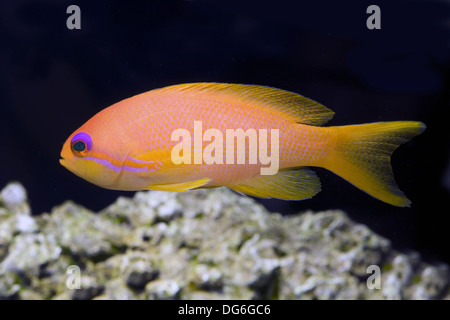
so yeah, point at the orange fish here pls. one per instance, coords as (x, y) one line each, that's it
(132, 144)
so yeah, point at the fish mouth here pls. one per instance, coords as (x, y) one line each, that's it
(63, 162)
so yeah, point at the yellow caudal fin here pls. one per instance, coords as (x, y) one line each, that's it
(362, 156)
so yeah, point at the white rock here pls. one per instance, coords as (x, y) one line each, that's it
(25, 224)
(13, 195)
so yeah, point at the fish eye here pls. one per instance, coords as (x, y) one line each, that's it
(81, 144)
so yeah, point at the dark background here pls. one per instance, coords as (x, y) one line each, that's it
(53, 79)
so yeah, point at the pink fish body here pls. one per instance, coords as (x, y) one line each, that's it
(132, 144)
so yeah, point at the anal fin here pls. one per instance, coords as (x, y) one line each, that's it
(289, 184)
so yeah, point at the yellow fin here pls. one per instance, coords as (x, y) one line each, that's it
(179, 187)
(160, 155)
(162, 160)
(290, 105)
(362, 156)
(289, 184)
(154, 162)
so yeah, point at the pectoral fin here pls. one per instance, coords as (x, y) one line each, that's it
(179, 187)
(159, 162)
(160, 157)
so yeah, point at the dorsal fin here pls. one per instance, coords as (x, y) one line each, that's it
(290, 105)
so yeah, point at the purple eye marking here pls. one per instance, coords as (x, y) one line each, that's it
(105, 163)
(82, 136)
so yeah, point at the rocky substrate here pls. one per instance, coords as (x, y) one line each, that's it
(204, 244)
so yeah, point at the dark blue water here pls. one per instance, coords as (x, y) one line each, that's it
(53, 79)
